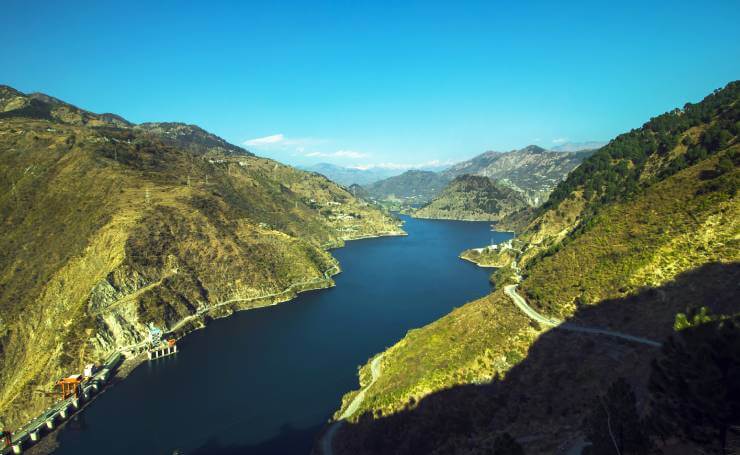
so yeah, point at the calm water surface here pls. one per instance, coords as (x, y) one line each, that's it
(264, 381)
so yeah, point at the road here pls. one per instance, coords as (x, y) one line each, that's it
(519, 301)
(205, 309)
(509, 290)
(354, 405)
(23, 434)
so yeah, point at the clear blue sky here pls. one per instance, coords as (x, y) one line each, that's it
(376, 82)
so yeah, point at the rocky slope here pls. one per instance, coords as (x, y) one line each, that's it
(472, 197)
(642, 230)
(532, 171)
(110, 226)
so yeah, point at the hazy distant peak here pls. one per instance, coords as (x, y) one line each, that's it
(578, 146)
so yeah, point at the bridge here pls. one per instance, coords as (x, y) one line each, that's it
(31, 432)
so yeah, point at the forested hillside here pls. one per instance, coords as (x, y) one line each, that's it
(472, 197)
(642, 240)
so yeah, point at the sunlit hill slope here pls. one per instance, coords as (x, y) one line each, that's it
(646, 228)
(109, 226)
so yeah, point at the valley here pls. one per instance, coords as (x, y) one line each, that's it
(370, 228)
(491, 186)
(595, 260)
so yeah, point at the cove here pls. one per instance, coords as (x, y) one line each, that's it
(265, 381)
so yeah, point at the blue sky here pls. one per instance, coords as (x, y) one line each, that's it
(376, 83)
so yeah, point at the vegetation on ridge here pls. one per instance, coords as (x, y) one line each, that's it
(109, 226)
(472, 197)
(625, 244)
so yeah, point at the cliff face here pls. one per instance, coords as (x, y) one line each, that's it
(532, 171)
(472, 197)
(109, 226)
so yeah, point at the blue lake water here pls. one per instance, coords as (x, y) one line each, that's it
(265, 381)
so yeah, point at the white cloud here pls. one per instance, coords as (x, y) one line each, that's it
(560, 140)
(280, 142)
(300, 147)
(261, 141)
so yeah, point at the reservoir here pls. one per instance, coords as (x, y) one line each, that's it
(265, 381)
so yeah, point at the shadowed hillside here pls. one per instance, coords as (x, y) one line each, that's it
(543, 399)
(649, 214)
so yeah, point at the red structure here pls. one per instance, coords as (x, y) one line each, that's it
(70, 386)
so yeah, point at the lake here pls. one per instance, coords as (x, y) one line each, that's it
(265, 381)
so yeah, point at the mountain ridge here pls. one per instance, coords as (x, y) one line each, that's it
(624, 247)
(531, 171)
(110, 227)
(473, 197)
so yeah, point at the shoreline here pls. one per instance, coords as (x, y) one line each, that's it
(467, 220)
(50, 442)
(325, 282)
(484, 266)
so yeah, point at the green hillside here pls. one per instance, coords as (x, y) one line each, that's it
(110, 226)
(646, 228)
(472, 197)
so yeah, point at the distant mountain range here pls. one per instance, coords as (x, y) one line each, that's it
(348, 176)
(532, 172)
(578, 146)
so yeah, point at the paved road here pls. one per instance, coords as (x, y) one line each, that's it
(519, 301)
(327, 440)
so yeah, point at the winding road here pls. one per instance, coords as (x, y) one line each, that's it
(510, 290)
(354, 405)
(519, 301)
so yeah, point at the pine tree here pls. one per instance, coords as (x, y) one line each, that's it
(695, 383)
(614, 426)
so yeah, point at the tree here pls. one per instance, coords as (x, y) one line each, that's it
(695, 382)
(614, 426)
